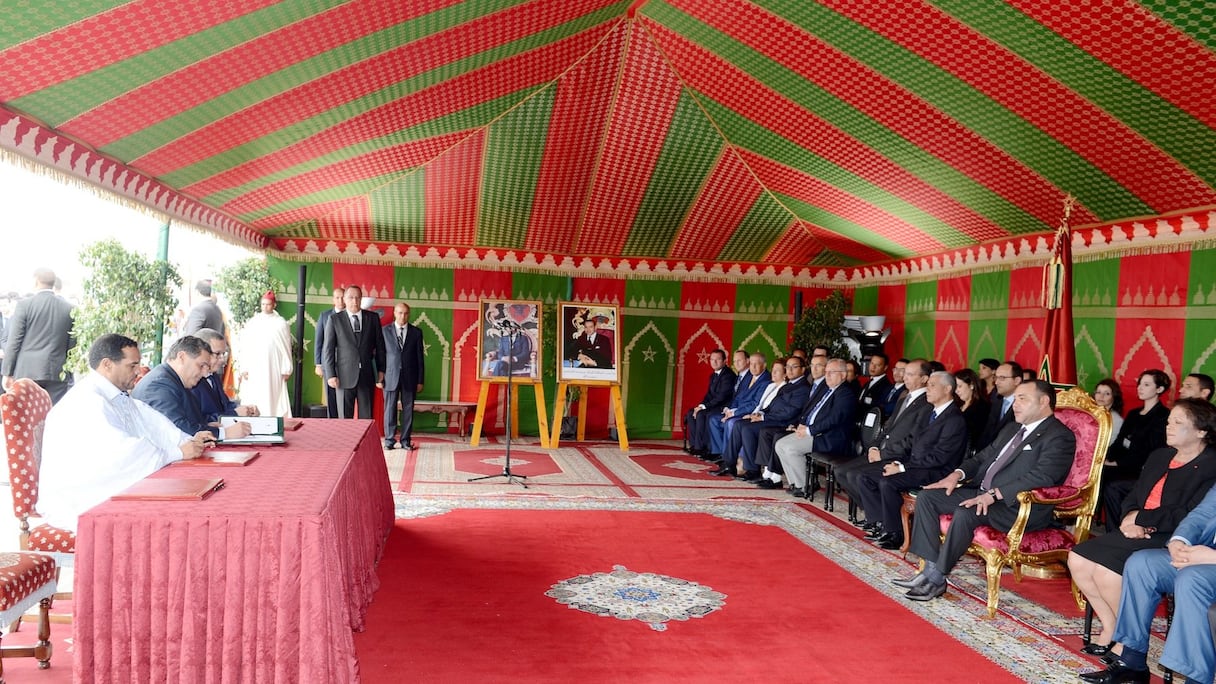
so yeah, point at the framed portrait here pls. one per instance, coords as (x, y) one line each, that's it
(508, 340)
(587, 342)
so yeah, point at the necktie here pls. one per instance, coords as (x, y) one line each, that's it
(815, 411)
(401, 337)
(932, 416)
(356, 325)
(903, 404)
(1005, 404)
(1002, 460)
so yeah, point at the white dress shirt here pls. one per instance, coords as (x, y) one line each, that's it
(99, 441)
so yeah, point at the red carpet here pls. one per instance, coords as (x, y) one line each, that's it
(463, 599)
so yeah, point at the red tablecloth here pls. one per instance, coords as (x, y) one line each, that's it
(263, 581)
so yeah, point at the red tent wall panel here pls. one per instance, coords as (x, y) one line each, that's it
(1151, 323)
(953, 321)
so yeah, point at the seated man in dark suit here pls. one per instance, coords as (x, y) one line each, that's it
(166, 388)
(1037, 451)
(894, 441)
(717, 396)
(763, 454)
(781, 412)
(938, 446)
(1187, 569)
(753, 377)
(875, 393)
(827, 429)
(209, 391)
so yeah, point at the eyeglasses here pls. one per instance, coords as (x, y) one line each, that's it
(1003, 377)
(219, 355)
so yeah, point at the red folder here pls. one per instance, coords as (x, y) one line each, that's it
(170, 489)
(290, 424)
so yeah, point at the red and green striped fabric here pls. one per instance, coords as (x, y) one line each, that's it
(776, 132)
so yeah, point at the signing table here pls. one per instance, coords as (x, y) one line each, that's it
(263, 581)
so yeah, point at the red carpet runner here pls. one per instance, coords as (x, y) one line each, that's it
(463, 599)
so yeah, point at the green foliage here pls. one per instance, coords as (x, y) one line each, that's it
(124, 293)
(823, 324)
(244, 283)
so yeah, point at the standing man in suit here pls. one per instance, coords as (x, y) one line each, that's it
(167, 388)
(331, 397)
(827, 429)
(352, 356)
(876, 390)
(404, 373)
(1036, 451)
(1007, 377)
(39, 337)
(938, 446)
(717, 396)
(205, 314)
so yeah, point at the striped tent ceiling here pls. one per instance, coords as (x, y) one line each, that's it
(798, 132)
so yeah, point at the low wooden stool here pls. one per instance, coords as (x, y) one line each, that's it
(27, 579)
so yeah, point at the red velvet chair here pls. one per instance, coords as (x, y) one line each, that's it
(24, 408)
(26, 580)
(1074, 502)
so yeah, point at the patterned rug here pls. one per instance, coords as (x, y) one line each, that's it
(1030, 639)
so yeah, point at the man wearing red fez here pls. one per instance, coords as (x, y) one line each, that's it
(264, 360)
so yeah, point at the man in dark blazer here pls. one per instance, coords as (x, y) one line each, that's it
(1007, 377)
(783, 410)
(876, 390)
(753, 378)
(939, 444)
(353, 355)
(39, 337)
(209, 392)
(404, 373)
(826, 429)
(205, 314)
(1037, 451)
(717, 396)
(166, 388)
(592, 348)
(894, 440)
(331, 396)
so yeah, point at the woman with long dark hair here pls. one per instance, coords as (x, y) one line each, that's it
(970, 391)
(1109, 396)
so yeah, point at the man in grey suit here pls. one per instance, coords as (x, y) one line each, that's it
(331, 397)
(352, 356)
(404, 373)
(205, 314)
(39, 337)
(1036, 451)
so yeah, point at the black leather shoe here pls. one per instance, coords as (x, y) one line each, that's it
(926, 592)
(724, 472)
(798, 492)
(1116, 673)
(912, 582)
(1096, 649)
(388, 444)
(863, 524)
(875, 532)
(769, 484)
(753, 476)
(890, 542)
(884, 538)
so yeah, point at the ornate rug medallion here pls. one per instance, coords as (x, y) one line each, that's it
(645, 596)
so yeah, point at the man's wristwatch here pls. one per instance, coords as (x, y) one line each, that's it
(992, 493)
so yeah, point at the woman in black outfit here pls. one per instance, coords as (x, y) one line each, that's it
(970, 391)
(1143, 432)
(1175, 478)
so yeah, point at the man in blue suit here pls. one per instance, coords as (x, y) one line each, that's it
(331, 395)
(166, 388)
(783, 410)
(827, 429)
(209, 392)
(1187, 569)
(748, 390)
(404, 373)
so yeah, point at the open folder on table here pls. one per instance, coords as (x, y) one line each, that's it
(170, 489)
(222, 458)
(265, 429)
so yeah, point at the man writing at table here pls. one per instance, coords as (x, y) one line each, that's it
(167, 387)
(99, 440)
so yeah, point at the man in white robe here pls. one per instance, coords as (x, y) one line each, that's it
(99, 440)
(264, 357)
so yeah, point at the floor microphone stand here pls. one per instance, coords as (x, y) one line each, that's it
(511, 334)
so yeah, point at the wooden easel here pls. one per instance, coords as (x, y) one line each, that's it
(559, 407)
(542, 421)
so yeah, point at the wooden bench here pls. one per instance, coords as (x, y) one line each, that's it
(459, 408)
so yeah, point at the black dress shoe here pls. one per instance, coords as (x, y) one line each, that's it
(875, 532)
(798, 492)
(926, 592)
(863, 524)
(769, 484)
(884, 538)
(752, 476)
(890, 542)
(388, 444)
(912, 582)
(1116, 673)
(724, 472)
(1096, 649)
